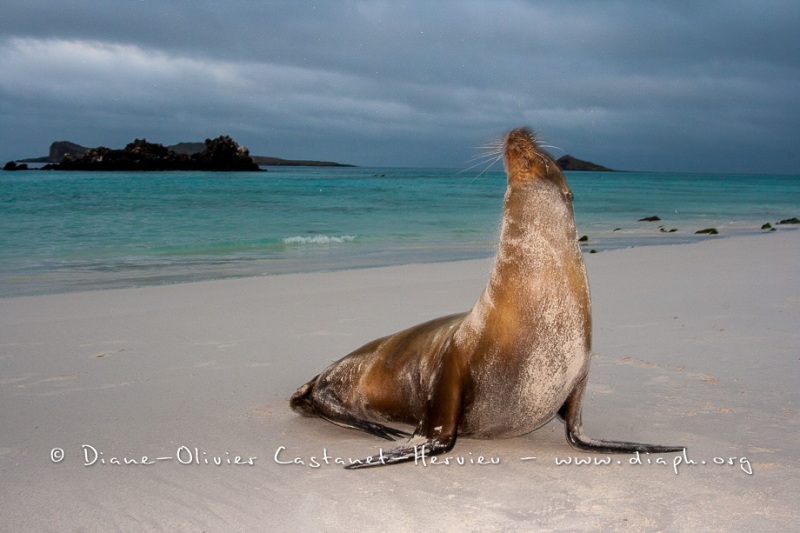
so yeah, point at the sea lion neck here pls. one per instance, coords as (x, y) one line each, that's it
(538, 247)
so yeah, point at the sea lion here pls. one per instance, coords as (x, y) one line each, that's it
(519, 357)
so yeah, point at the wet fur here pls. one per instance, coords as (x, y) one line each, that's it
(506, 367)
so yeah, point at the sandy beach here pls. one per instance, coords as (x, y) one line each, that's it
(696, 345)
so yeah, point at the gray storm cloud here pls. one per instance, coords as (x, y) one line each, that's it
(675, 86)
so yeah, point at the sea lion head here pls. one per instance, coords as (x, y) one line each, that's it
(526, 162)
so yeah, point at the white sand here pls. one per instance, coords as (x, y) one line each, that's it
(697, 345)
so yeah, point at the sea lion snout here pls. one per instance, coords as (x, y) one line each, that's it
(526, 162)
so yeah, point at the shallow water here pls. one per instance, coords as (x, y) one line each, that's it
(64, 231)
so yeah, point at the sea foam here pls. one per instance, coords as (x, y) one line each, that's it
(319, 239)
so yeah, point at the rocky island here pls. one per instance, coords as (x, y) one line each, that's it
(567, 162)
(220, 154)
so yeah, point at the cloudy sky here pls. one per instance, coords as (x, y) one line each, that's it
(638, 85)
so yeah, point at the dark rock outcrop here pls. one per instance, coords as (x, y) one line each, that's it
(568, 162)
(223, 153)
(12, 165)
(220, 154)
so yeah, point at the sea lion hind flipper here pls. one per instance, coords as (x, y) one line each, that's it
(570, 412)
(324, 405)
(301, 401)
(379, 430)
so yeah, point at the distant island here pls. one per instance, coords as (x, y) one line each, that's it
(568, 162)
(220, 154)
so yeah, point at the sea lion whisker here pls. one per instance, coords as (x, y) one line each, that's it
(553, 147)
(495, 156)
(489, 160)
(488, 152)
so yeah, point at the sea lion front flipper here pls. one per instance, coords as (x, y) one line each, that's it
(571, 413)
(379, 430)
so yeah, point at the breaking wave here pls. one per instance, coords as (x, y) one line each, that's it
(319, 239)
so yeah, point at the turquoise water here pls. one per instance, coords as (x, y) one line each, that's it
(64, 231)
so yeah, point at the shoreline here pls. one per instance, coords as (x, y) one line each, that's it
(694, 345)
(218, 269)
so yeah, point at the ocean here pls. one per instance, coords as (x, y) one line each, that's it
(68, 231)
